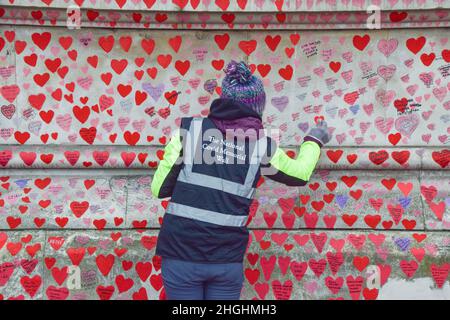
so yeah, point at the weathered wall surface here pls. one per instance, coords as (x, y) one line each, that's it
(84, 115)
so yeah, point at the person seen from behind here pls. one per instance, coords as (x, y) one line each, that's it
(210, 169)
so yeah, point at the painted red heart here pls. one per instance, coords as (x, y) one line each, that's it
(247, 46)
(361, 42)
(41, 39)
(415, 45)
(105, 263)
(335, 66)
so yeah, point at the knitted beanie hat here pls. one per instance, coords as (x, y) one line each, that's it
(241, 85)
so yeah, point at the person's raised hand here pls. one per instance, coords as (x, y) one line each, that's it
(320, 132)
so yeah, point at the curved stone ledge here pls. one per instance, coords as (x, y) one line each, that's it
(237, 6)
(298, 20)
(333, 199)
(148, 157)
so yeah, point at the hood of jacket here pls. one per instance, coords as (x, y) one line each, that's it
(229, 114)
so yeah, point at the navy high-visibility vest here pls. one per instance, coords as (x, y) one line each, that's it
(206, 218)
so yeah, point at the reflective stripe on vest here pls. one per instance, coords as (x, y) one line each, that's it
(188, 176)
(243, 190)
(206, 215)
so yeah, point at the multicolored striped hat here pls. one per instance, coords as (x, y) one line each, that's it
(241, 85)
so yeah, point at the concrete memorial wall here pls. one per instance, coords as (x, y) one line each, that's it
(85, 114)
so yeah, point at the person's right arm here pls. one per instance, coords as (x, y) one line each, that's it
(293, 172)
(296, 172)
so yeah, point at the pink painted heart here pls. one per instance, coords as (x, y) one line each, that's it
(407, 124)
(385, 97)
(387, 47)
(440, 93)
(384, 125)
(8, 110)
(386, 72)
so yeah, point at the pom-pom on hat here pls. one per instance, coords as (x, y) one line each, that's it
(241, 85)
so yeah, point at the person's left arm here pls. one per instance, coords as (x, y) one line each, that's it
(168, 169)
